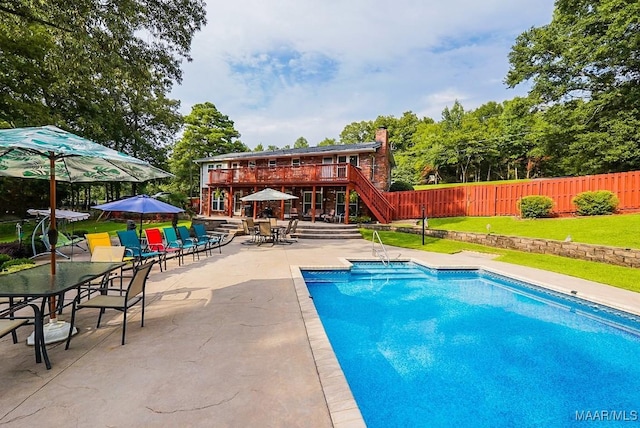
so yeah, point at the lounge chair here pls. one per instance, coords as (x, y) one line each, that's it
(133, 248)
(212, 240)
(185, 236)
(155, 242)
(135, 293)
(173, 241)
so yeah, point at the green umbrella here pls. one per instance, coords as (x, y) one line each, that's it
(49, 153)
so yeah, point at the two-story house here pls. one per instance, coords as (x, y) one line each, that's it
(345, 180)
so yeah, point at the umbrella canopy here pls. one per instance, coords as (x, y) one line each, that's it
(268, 194)
(49, 153)
(141, 204)
(28, 152)
(63, 214)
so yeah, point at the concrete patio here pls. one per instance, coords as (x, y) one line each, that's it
(226, 343)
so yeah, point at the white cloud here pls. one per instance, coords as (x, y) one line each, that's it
(283, 69)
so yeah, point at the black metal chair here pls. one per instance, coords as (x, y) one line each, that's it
(13, 317)
(135, 293)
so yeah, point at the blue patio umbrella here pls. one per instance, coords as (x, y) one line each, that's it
(140, 204)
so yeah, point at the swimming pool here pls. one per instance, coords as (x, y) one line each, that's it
(422, 347)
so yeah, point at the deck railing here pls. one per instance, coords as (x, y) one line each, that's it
(281, 175)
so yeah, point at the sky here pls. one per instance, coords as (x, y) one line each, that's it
(284, 69)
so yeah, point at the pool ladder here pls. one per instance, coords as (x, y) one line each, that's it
(379, 250)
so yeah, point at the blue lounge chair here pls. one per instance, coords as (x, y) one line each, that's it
(172, 239)
(133, 248)
(185, 236)
(205, 238)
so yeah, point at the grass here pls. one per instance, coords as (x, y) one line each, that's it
(8, 230)
(617, 276)
(612, 230)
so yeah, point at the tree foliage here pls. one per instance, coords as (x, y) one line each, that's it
(301, 143)
(100, 69)
(207, 133)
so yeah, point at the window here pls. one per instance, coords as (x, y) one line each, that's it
(306, 202)
(252, 164)
(272, 163)
(295, 162)
(217, 204)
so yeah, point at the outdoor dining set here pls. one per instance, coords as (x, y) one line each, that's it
(115, 278)
(265, 230)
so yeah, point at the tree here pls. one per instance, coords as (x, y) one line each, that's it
(589, 48)
(259, 148)
(358, 132)
(301, 143)
(100, 69)
(272, 148)
(208, 133)
(328, 142)
(586, 59)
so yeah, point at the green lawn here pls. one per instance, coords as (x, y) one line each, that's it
(614, 230)
(8, 229)
(617, 276)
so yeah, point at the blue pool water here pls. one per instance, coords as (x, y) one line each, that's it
(422, 348)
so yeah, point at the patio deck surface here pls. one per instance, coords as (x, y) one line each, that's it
(226, 343)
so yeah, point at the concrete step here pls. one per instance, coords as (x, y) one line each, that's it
(305, 229)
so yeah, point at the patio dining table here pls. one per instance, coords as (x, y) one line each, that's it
(38, 283)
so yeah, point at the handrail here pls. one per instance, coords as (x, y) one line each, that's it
(374, 198)
(376, 252)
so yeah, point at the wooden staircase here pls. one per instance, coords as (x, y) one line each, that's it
(371, 196)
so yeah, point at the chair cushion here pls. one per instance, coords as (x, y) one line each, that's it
(104, 301)
(7, 326)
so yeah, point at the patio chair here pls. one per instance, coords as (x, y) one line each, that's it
(292, 232)
(155, 242)
(108, 251)
(133, 248)
(212, 240)
(173, 241)
(265, 233)
(185, 236)
(282, 236)
(101, 239)
(135, 293)
(331, 217)
(12, 318)
(249, 231)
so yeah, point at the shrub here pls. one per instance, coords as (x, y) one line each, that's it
(360, 219)
(17, 264)
(17, 249)
(535, 206)
(600, 202)
(400, 186)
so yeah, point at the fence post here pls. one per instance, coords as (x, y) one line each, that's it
(424, 220)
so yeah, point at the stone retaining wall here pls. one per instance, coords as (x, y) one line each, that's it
(597, 253)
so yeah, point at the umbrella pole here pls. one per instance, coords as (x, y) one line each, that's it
(54, 331)
(53, 233)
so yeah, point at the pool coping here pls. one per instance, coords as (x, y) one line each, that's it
(342, 406)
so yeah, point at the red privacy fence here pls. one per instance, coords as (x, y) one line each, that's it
(501, 199)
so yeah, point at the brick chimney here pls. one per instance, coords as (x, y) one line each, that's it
(382, 161)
